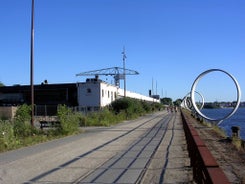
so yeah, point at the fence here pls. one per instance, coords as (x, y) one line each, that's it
(51, 110)
(45, 110)
(205, 167)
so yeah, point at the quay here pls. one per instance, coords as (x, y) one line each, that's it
(157, 148)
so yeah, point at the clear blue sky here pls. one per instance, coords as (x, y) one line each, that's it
(169, 42)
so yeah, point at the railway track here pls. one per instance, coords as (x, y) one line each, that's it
(130, 164)
(119, 154)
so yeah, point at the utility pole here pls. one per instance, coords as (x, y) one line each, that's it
(32, 64)
(124, 72)
(152, 86)
(156, 87)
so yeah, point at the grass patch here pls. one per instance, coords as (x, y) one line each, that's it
(19, 133)
(237, 142)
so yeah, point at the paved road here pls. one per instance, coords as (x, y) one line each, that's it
(126, 153)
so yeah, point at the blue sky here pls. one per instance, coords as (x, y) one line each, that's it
(169, 42)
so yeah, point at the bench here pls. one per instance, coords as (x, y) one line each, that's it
(49, 124)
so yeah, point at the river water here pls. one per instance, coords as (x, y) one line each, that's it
(238, 119)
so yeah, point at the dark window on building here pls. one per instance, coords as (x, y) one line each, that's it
(89, 90)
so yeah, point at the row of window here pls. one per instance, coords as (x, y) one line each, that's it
(105, 92)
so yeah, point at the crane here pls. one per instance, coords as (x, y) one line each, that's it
(117, 72)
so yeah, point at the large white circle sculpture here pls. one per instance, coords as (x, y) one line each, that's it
(193, 89)
(186, 101)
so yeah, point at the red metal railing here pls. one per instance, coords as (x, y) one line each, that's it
(205, 167)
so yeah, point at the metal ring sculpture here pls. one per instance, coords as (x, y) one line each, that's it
(187, 103)
(193, 88)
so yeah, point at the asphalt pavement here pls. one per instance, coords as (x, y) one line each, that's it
(151, 149)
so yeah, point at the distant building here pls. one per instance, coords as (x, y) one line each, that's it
(242, 104)
(45, 94)
(85, 96)
(94, 94)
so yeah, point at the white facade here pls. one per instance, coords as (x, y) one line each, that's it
(95, 94)
(137, 96)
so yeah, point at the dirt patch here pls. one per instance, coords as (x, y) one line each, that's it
(229, 158)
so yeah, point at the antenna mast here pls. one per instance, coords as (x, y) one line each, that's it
(124, 73)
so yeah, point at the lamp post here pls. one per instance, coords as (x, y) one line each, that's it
(32, 64)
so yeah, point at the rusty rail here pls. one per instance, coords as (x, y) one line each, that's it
(205, 167)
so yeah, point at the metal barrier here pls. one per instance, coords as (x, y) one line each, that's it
(45, 110)
(205, 167)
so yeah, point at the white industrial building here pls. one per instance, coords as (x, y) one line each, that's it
(91, 95)
(95, 93)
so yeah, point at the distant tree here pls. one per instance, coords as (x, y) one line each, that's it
(166, 101)
(211, 105)
(1, 84)
(177, 102)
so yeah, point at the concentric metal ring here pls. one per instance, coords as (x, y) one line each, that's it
(187, 103)
(193, 89)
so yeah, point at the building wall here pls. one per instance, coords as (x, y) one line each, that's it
(88, 94)
(137, 96)
(108, 94)
(92, 94)
(7, 112)
(48, 94)
(96, 93)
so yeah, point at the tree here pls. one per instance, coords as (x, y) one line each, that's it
(1, 84)
(166, 101)
(177, 102)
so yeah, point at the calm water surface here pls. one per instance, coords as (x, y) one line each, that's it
(238, 119)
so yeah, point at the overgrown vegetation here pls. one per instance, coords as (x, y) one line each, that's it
(236, 141)
(69, 121)
(19, 132)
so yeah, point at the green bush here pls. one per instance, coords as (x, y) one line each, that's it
(106, 117)
(22, 119)
(92, 119)
(120, 105)
(156, 106)
(132, 107)
(69, 121)
(146, 106)
(22, 129)
(7, 138)
(82, 119)
(19, 132)
(23, 113)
